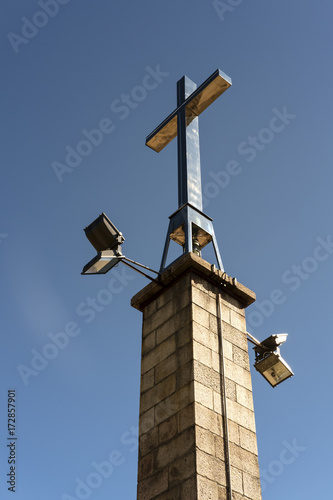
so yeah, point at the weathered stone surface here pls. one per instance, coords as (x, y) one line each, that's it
(186, 417)
(147, 421)
(182, 448)
(158, 354)
(146, 466)
(168, 429)
(147, 380)
(241, 358)
(238, 374)
(148, 442)
(157, 393)
(170, 452)
(207, 489)
(173, 324)
(148, 342)
(203, 395)
(251, 487)
(174, 403)
(244, 460)
(182, 469)
(205, 440)
(237, 480)
(202, 354)
(154, 485)
(241, 415)
(244, 397)
(248, 440)
(211, 467)
(206, 337)
(237, 320)
(234, 336)
(207, 376)
(208, 419)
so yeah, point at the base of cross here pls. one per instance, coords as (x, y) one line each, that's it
(193, 230)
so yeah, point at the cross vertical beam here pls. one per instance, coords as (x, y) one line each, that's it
(189, 171)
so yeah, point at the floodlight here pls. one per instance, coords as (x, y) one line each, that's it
(102, 263)
(107, 240)
(269, 361)
(103, 234)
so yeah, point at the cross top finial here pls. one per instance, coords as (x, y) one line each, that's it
(189, 226)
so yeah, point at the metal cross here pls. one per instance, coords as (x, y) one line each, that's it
(183, 122)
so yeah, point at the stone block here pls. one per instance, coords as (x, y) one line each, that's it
(211, 467)
(208, 419)
(200, 316)
(237, 320)
(174, 403)
(168, 429)
(225, 312)
(207, 376)
(148, 442)
(207, 489)
(147, 381)
(171, 494)
(182, 444)
(241, 415)
(236, 337)
(248, 440)
(153, 486)
(230, 387)
(244, 397)
(217, 402)
(237, 480)
(149, 309)
(202, 354)
(234, 431)
(238, 374)
(232, 303)
(241, 358)
(189, 489)
(223, 495)
(219, 447)
(158, 354)
(146, 422)
(203, 395)
(185, 375)
(186, 417)
(182, 469)
(157, 393)
(148, 342)
(173, 324)
(146, 466)
(174, 362)
(204, 300)
(244, 460)
(252, 488)
(205, 440)
(205, 337)
(203, 285)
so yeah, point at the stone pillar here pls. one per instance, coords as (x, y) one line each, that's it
(182, 439)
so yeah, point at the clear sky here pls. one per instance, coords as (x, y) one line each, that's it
(68, 68)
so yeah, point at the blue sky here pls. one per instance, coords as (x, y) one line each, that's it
(272, 218)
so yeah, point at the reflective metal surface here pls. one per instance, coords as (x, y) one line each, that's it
(189, 226)
(195, 104)
(189, 171)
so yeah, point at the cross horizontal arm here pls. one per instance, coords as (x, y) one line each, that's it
(195, 104)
